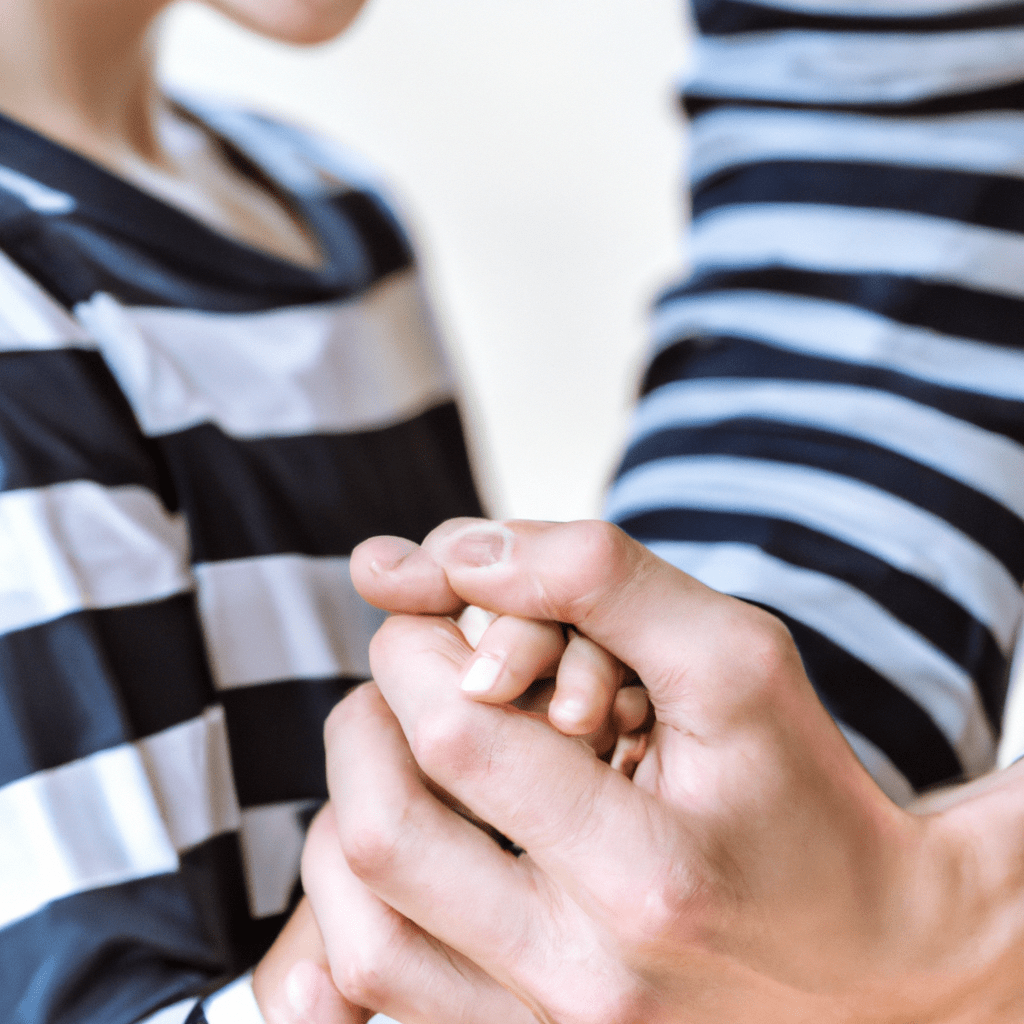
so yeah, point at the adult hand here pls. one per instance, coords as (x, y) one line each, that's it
(751, 869)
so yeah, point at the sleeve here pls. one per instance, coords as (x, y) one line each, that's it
(832, 419)
(121, 888)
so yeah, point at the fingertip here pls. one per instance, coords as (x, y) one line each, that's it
(573, 715)
(397, 575)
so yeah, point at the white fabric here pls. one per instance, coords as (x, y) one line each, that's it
(121, 814)
(284, 617)
(856, 623)
(356, 365)
(272, 838)
(914, 539)
(29, 317)
(176, 1013)
(234, 1004)
(985, 143)
(924, 434)
(836, 331)
(855, 67)
(81, 545)
(860, 241)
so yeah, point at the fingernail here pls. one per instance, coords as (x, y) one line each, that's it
(480, 546)
(391, 552)
(302, 988)
(482, 675)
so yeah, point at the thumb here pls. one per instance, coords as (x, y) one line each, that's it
(682, 638)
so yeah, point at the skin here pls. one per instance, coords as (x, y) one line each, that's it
(751, 870)
(82, 71)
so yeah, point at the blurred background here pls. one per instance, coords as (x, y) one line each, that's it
(535, 149)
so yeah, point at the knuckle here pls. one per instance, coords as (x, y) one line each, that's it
(770, 649)
(352, 704)
(373, 845)
(604, 557)
(446, 742)
(363, 980)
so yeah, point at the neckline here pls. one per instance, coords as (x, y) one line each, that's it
(105, 198)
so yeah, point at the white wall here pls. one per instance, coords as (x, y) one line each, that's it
(536, 148)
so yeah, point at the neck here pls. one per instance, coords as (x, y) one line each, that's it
(81, 72)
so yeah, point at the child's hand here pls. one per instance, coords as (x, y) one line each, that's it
(546, 668)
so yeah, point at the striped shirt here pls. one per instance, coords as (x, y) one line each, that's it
(832, 420)
(193, 436)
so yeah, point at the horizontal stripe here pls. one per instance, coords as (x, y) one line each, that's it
(987, 523)
(233, 1004)
(861, 68)
(985, 143)
(948, 310)
(911, 600)
(1009, 98)
(858, 696)
(835, 331)
(118, 953)
(883, 8)
(890, 779)
(319, 495)
(277, 738)
(284, 617)
(912, 540)
(63, 418)
(271, 840)
(85, 682)
(79, 545)
(725, 17)
(991, 201)
(860, 241)
(386, 247)
(29, 317)
(118, 815)
(347, 366)
(985, 462)
(854, 622)
(736, 359)
(176, 1013)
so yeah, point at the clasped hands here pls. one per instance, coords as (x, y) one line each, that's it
(749, 871)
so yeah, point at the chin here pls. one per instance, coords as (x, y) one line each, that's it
(300, 22)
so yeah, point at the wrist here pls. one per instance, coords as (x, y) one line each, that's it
(958, 912)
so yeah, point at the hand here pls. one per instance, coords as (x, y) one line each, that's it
(546, 668)
(292, 982)
(751, 870)
(378, 958)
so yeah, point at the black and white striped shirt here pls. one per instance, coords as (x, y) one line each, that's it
(833, 416)
(193, 436)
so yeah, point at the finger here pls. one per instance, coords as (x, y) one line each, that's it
(399, 576)
(585, 687)
(632, 710)
(415, 853)
(310, 997)
(510, 656)
(546, 792)
(381, 960)
(673, 631)
(292, 982)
